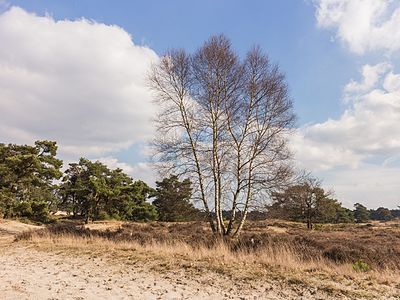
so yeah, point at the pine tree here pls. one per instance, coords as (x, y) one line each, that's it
(173, 199)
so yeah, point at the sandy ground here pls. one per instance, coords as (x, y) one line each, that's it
(51, 276)
(29, 273)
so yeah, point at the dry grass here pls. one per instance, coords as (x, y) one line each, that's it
(294, 256)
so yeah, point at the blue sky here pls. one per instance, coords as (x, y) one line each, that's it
(316, 68)
(340, 57)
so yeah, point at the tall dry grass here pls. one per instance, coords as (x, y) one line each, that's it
(234, 259)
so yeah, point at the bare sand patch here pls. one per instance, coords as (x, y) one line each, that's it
(72, 267)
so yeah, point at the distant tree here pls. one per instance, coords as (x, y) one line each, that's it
(344, 215)
(172, 199)
(308, 202)
(138, 209)
(73, 190)
(396, 212)
(299, 202)
(361, 213)
(143, 212)
(141, 191)
(330, 210)
(27, 175)
(381, 214)
(326, 208)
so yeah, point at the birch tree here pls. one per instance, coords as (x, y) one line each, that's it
(223, 123)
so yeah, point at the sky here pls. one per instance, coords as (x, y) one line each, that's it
(74, 71)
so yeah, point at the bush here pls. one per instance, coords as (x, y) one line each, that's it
(318, 227)
(40, 211)
(360, 266)
(144, 212)
(22, 209)
(103, 216)
(336, 253)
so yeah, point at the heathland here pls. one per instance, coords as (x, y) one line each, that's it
(158, 260)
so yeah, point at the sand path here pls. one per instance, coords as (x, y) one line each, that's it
(27, 273)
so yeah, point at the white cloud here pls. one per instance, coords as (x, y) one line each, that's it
(392, 82)
(312, 154)
(140, 171)
(358, 153)
(80, 83)
(145, 171)
(372, 185)
(371, 75)
(368, 128)
(363, 25)
(113, 163)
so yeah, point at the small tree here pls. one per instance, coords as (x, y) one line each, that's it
(172, 200)
(361, 213)
(381, 214)
(344, 215)
(307, 202)
(27, 175)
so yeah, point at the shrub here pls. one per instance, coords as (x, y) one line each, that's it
(336, 253)
(40, 211)
(103, 216)
(318, 227)
(144, 212)
(22, 209)
(360, 266)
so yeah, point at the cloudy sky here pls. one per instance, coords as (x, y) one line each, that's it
(74, 72)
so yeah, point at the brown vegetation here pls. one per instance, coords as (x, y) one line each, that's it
(379, 247)
(341, 244)
(319, 261)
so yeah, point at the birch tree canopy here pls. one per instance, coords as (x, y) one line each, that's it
(223, 123)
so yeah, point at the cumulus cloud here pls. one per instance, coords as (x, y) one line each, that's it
(363, 25)
(312, 154)
(371, 75)
(357, 154)
(145, 171)
(113, 163)
(139, 171)
(369, 127)
(370, 184)
(78, 82)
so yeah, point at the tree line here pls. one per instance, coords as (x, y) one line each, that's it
(309, 203)
(33, 186)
